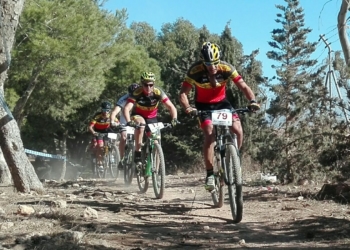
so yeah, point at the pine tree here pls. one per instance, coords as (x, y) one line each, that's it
(297, 112)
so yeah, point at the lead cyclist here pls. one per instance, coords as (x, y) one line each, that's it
(209, 77)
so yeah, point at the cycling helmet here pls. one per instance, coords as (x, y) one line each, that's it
(132, 87)
(148, 76)
(106, 106)
(210, 52)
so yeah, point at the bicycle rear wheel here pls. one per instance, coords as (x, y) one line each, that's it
(142, 178)
(158, 171)
(129, 167)
(234, 185)
(114, 158)
(218, 194)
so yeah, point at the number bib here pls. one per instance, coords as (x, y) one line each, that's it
(112, 136)
(130, 130)
(221, 117)
(155, 126)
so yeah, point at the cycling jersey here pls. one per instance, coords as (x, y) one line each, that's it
(147, 106)
(101, 124)
(198, 77)
(121, 103)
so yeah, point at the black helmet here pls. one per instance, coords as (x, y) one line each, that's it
(132, 87)
(106, 106)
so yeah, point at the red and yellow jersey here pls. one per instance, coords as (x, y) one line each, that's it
(100, 122)
(147, 106)
(198, 77)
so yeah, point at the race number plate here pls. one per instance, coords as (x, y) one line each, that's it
(112, 136)
(130, 130)
(155, 126)
(221, 117)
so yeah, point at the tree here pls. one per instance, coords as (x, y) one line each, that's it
(22, 172)
(298, 113)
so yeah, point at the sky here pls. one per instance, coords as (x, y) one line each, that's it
(251, 21)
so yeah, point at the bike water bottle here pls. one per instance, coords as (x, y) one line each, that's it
(148, 166)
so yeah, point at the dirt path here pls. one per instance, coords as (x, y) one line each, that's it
(184, 219)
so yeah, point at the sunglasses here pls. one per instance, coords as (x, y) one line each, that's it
(211, 63)
(106, 110)
(148, 85)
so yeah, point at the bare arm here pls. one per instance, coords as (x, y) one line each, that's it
(170, 106)
(126, 111)
(91, 128)
(183, 96)
(248, 92)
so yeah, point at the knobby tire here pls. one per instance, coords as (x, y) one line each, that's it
(129, 167)
(142, 179)
(113, 166)
(234, 185)
(158, 171)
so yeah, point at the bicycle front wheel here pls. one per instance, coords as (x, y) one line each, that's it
(114, 158)
(158, 171)
(234, 179)
(129, 167)
(142, 178)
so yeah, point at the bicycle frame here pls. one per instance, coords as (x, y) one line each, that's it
(223, 137)
(155, 137)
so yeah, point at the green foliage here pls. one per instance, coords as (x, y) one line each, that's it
(299, 120)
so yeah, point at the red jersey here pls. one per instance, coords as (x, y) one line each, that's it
(198, 77)
(101, 123)
(147, 106)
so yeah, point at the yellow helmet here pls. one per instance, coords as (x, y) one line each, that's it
(210, 52)
(148, 76)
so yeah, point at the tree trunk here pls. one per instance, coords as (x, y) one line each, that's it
(22, 171)
(5, 174)
(342, 27)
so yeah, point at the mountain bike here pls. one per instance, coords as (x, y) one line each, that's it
(152, 161)
(227, 163)
(110, 156)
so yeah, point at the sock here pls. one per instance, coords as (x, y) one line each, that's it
(210, 172)
(137, 154)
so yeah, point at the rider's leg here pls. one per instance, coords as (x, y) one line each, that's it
(208, 146)
(237, 129)
(208, 152)
(138, 137)
(122, 143)
(99, 150)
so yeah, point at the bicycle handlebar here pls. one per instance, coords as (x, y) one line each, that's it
(241, 111)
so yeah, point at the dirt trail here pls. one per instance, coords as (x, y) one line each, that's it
(274, 217)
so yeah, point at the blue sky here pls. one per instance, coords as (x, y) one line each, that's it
(251, 20)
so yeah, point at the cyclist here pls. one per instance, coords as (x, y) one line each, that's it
(100, 124)
(209, 77)
(146, 99)
(118, 107)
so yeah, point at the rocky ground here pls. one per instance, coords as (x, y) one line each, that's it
(105, 214)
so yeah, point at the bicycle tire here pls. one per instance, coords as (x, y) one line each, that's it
(234, 185)
(158, 171)
(129, 167)
(218, 194)
(142, 179)
(113, 166)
